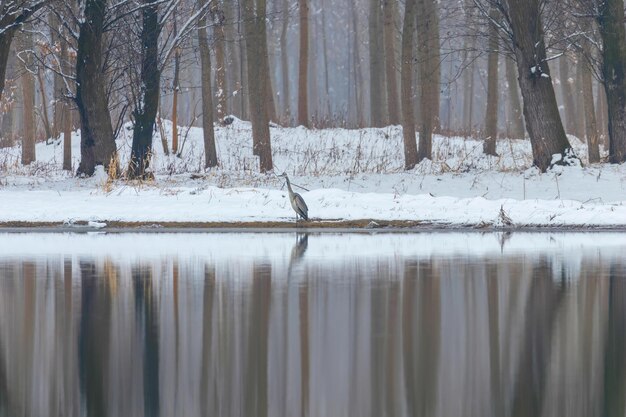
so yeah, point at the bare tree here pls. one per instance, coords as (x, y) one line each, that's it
(591, 128)
(428, 69)
(145, 26)
(210, 153)
(13, 14)
(326, 102)
(219, 19)
(406, 88)
(611, 24)
(233, 58)
(284, 66)
(303, 65)
(261, 19)
(469, 45)
(521, 25)
(59, 83)
(390, 60)
(377, 75)
(67, 137)
(567, 92)
(256, 63)
(516, 116)
(434, 57)
(145, 109)
(175, 90)
(97, 144)
(541, 112)
(26, 46)
(491, 116)
(356, 64)
(7, 105)
(602, 113)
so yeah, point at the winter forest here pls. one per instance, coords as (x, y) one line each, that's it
(312, 207)
(223, 93)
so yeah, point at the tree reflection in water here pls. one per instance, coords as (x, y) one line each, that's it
(304, 327)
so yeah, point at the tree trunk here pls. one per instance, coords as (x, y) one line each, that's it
(303, 65)
(358, 75)
(313, 87)
(390, 61)
(8, 106)
(6, 138)
(434, 58)
(97, 144)
(516, 117)
(28, 96)
(284, 65)
(146, 111)
(67, 111)
(59, 85)
(325, 56)
(450, 119)
(232, 57)
(44, 106)
(377, 75)
(245, 91)
(428, 69)
(541, 112)
(491, 116)
(579, 99)
(567, 93)
(265, 64)
(6, 38)
(611, 22)
(408, 121)
(468, 97)
(210, 153)
(267, 100)
(591, 127)
(468, 94)
(468, 72)
(220, 62)
(255, 30)
(67, 138)
(175, 89)
(602, 113)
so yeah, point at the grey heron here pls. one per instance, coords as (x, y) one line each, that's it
(296, 200)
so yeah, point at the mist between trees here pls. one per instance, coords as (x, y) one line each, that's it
(538, 69)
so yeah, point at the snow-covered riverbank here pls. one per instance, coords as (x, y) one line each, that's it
(350, 175)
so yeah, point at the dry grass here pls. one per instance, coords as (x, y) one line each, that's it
(299, 152)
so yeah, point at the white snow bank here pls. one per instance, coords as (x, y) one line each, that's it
(352, 174)
(213, 204)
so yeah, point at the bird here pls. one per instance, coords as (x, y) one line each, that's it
(297, 202)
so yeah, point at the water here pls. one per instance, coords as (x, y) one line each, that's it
(202, 324)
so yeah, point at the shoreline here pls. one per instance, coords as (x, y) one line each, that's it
(323, 226)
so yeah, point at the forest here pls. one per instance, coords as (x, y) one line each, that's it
(471, 67)
(492, 94)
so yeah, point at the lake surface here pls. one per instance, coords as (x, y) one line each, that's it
(244, 324)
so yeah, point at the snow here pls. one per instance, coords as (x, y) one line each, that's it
(349, 175)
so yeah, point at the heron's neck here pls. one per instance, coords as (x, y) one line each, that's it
(288, 184)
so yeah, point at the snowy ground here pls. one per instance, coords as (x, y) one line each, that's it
(351, 175)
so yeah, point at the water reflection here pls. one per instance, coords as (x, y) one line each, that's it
(320, 325)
